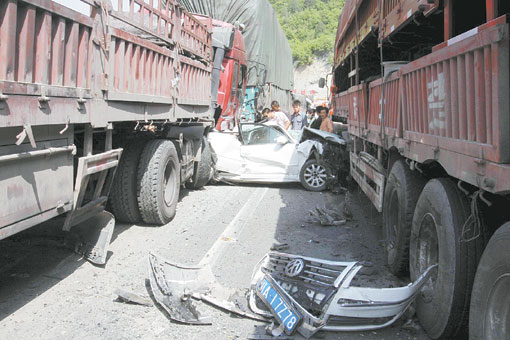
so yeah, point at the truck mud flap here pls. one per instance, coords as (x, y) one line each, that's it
(93, 237)
(94, 227)
(370, 180)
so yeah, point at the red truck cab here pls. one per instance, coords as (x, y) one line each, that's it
(230, 72)
(232, 87)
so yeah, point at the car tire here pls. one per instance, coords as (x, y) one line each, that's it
(403, 188)
(122, 198)
(490, 300)
(314, 175)
(202, 169)
(440, 215)
(158, 182)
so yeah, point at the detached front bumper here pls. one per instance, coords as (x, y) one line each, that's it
(321, 292)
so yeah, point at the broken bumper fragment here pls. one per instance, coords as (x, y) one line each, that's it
(320, 294)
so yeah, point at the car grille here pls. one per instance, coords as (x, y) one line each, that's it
(312, 288)
(316, 273)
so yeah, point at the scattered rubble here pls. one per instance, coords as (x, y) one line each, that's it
(411, 326)
(326, 217)
(279, 246)
(178, 289)
(266, 333)
(129, 297)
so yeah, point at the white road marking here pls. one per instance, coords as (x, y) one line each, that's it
(234, 227)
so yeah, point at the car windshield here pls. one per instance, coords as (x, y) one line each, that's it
(260, 134)
(295, 134)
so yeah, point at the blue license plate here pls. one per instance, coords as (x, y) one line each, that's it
(282, 310)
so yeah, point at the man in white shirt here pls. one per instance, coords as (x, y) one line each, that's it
(277, 116)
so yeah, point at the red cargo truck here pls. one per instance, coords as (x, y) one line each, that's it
(425, 88)
(119, 99)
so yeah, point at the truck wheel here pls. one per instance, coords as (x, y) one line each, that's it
(400, 196)
(314, 175)
(490, 300)
(440, 214)
(202, 169)
(158, 182)
(122, 200)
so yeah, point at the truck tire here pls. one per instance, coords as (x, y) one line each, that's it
(314, 175)
(403, 188)
(158, 182)
(122, 200)
(202, 169)
(490, 300)
(440, 215)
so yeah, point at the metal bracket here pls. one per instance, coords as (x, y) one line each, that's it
(61, 132)
(27, 132)
(81, 103)
(3, 99)
(43, 99)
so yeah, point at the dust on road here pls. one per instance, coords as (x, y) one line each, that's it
(48, 292)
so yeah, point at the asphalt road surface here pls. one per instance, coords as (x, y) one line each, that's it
(49, 292)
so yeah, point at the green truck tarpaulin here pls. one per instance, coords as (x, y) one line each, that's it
(266, 45)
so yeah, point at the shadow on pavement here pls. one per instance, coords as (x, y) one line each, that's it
(33, 261)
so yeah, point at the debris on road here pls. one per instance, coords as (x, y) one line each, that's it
(129, 297)
(307, 294)
(177, 289)
(279, 246)
(346, 208)
(326, 217)
(411, 326)
(229, 306)
(169, 284)
(266, 333)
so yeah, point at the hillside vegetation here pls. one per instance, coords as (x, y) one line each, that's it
(310, 26)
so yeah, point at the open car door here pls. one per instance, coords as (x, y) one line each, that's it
(268, 153)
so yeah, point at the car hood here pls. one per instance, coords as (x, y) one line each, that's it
(309, 133)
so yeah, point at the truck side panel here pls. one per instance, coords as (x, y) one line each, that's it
(450, 106)
(462, 102)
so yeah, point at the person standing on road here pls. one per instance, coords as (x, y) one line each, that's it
(326, 122)
(277, 116)
(298, 117)
(315, 121)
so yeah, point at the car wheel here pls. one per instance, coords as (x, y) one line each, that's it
(490, 300)
(439, 218)
(314, 175)
(159, 182)
(400, 196)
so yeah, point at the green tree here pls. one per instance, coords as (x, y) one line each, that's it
(310, 26)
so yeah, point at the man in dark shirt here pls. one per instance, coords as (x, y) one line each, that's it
(298, 117)
(315, 121)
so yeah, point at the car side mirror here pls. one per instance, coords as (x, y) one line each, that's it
(322, 83)
(282, 140)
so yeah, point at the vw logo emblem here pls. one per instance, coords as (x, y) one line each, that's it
(294, 267)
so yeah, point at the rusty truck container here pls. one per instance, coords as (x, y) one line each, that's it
(71, 82)
(426, 93)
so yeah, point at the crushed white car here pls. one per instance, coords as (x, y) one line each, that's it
(265, 153)
(306, 295)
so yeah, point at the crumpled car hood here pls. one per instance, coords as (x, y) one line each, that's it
(309, 133)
